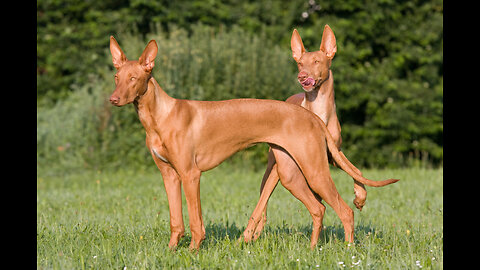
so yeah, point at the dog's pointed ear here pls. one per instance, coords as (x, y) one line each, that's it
(329, 43)
(297, 45)
(147, 59)
(118, 57)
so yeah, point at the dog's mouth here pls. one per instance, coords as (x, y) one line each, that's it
(308, 83)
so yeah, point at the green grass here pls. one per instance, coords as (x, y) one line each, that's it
(112, 220)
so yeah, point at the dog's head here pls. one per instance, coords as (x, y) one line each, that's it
(132, 77)
(313, 67)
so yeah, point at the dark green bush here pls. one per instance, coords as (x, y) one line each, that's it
(388, 72)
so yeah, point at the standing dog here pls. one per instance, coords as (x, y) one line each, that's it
(187, 137)
(316, 78)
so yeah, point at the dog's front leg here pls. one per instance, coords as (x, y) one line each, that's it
(191, 187)
(173, 187)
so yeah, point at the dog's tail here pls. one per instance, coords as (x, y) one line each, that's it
(348, 167)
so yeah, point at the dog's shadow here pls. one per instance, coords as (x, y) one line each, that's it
(217, 233)
(333, 233)
(336, 233)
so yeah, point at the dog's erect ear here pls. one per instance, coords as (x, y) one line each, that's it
(329, 44)
(147, 59)
(297, 45)
(118, 57)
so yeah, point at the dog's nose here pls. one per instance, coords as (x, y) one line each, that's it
(114, 99)
(302, 76)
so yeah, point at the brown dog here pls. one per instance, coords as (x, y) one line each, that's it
(187, 137)
(316, 79)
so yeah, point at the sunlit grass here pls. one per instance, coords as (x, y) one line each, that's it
(112, 220)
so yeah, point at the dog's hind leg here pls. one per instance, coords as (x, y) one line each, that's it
(269, 182)
(326, 189)
(293, 180)
(258, 218)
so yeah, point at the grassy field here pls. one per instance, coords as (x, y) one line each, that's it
(119, 220)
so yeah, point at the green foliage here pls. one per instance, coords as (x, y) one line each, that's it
(72, 35)
(388, 71)
(84, 131)
(210, 65)
(71, 40)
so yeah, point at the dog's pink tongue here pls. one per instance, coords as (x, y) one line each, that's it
(308, 82)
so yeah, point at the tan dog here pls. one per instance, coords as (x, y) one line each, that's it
(187, 137)
(316, 79)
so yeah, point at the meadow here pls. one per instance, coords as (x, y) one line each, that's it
(118, 219)
(101, 203)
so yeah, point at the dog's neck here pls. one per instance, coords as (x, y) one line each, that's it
(153, 105)
(321, 100)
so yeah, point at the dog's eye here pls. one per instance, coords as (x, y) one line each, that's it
(133, 79)
(316, 61)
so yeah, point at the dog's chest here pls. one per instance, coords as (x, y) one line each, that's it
(162, 158)
(319, 107)
(154, 143)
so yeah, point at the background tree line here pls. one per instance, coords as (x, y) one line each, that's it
(388, 71)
